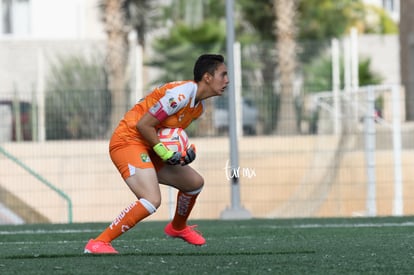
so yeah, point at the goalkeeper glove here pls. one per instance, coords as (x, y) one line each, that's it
(166, 155)
(189, 155)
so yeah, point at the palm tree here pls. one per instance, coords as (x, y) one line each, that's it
(120, 17)
(117, 54)
(285, 11)
(190, 36)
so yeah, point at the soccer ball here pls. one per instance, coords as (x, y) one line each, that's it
(175, 139)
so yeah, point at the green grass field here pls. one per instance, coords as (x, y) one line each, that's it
(297, 246)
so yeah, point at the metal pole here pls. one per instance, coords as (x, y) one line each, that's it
(398, 207)
(237, 88)
(355, 69)
(40, 90)
(139, 80)
(336, 83)
(17, 114)
(235, 211)
(370, 154)
(347, 83)
(347, 64)
(234, 151)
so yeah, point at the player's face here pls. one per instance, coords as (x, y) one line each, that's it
(220, 80)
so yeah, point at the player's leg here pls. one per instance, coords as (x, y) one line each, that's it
(189, 183)
(141, 178)
(145, 186)
(184, 178)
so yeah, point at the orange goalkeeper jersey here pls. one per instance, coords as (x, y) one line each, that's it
(173, 104)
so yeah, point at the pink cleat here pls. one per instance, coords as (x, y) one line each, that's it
(99, 247)
(188, 234)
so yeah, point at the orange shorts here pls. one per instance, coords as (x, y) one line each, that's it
(128, 156)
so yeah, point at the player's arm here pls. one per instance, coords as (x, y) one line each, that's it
(146, 126)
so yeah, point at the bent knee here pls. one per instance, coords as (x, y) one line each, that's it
(200, 182)
(154, 203)
(196, 185)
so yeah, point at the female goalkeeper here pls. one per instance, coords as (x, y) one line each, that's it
(144, 162)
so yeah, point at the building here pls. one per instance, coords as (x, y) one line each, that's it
(58, 19)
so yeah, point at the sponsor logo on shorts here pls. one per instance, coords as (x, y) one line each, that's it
(145, 158)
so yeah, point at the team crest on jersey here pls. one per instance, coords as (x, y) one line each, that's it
(145, 158)
(172, 102)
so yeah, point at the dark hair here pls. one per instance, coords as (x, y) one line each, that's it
(206, 63)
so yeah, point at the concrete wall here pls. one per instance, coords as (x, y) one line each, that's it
(280, 177)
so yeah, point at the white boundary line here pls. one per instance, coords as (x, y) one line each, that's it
(295, 226)
(339, 225)
(42, 231)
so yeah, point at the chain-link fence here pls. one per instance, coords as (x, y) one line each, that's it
(54, 123)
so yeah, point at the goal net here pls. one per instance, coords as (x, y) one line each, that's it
(348, 122)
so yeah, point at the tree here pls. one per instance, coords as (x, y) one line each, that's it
(318, 74)
(77, 99)
(407, 55)
(317, 20)
(377, 20)
(192, 27)
(120, 17)
(176, 52)
(138, 15)
(286, 49)
(189, 35)
(117, 54)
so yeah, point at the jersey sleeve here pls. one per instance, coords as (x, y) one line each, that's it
(174, 100)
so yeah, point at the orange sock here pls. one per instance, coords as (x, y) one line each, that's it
(185, 203)
(128, 218)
